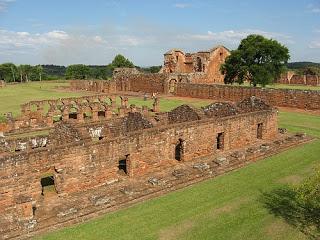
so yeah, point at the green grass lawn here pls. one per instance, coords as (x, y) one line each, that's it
(227, 207)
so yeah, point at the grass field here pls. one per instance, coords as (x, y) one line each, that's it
(226, 207)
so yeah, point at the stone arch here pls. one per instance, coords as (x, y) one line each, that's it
(86, 111)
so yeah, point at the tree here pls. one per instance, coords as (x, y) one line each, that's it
(298, 205)
(25, 71)
(77, 71)
(257, 60)
(8, 72)
(121, 61)
(39, 70)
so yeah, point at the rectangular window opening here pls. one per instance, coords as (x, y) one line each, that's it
(123, 165)
(48, 185)
(259, 130)
(220, 141)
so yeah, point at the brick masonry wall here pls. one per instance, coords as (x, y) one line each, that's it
(295, 79)
(107, 86)
(149, 82)
(84, 165)
(302, 99)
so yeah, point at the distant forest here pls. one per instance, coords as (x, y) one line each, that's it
(10, 72)
(60, 71)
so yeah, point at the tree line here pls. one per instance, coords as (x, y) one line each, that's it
(10, 72)
(21, 73)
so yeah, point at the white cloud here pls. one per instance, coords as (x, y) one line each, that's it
(56, 34)
(182, 5)
(4, 4)
(315, 45)
(143, 43)
(314, 8)
(234, 37)
(61, 47)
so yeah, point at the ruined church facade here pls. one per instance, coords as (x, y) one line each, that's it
(199, 67)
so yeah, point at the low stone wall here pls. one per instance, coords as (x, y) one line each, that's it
(302, 99)
(295, 79)
(105, 86)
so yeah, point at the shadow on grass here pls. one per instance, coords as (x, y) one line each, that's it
(284, 202)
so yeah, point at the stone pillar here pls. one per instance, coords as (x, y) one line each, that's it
(65, 115)
(133, 108)
(50, 119)
(121, 112)
(40, 109)
(27, 109)
(113, 102)
(80, 117)
(156, 105)
(95, 111)
(145, 111)
(108, 113)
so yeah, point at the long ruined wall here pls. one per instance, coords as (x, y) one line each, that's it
(81, 165)
(107, 86)
(295, 79)
(143, 82)
(302, 99)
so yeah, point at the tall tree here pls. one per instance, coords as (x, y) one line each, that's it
(39, 71)
(8, 72)
(77, 71)
(257, 60)
(121, 61)
(25, 71)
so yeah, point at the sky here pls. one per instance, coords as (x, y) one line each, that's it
(65, 32)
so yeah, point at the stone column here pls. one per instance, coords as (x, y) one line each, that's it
(80, 117)
(50, 119)
(133, 108)
(156, 105)
(95, 111)
(121, 112)
(113, 102)
(65, 114)
(145, 111)
(108, 113)
(40, 109)
(27, 109)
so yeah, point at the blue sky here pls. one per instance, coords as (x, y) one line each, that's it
(93, 32)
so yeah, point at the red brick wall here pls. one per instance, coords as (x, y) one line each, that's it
(149, 82)
(303, 99)
(313, 80)
(107, 86)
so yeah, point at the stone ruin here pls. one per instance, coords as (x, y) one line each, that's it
(45, 113)
(104, 155)
(199, 67)
(290, 77)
